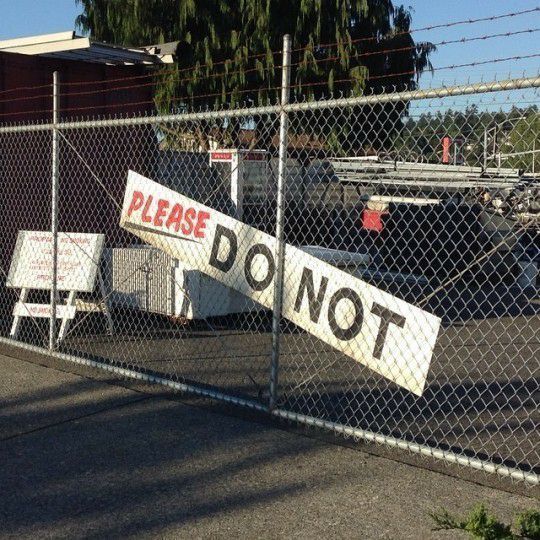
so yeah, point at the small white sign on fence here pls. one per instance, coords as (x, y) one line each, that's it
(78, 266)
(375, 328)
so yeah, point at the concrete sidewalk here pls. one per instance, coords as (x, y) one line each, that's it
(82, 458)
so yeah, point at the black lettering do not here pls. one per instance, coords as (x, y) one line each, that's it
(345, 334)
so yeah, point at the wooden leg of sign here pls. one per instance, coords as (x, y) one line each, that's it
(17, 318)
(105, 304)
(65, 320)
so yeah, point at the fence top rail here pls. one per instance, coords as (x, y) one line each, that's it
(391, 97)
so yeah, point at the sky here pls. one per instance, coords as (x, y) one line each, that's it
(29, 17)
(430, 12)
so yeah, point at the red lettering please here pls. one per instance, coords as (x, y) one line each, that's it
(163, 213)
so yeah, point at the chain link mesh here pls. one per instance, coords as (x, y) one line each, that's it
(434, 200)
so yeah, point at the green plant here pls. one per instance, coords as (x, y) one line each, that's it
(482, 525)
(528, 524)
(227, 56)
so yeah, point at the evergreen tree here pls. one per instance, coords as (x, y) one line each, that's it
(218, 39)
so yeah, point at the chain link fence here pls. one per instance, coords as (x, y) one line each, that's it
(370, 268)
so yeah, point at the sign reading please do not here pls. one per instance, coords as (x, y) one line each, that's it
(376, 329)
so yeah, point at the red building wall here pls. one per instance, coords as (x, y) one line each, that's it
(23, 71)
(107, 153)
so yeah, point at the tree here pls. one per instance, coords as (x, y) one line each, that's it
(228, 53)
(522, 142)
(512, 134)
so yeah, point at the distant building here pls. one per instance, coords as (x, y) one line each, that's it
(69, 46)
(30, 61)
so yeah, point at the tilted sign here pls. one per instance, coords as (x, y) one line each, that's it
(390, 336)
(78, 258)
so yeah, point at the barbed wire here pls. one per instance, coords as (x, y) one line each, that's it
(22, 88)
(154, 83)
(428, 28)
(457, 66)
(274, 53)
(269, 68)
(186, 100)
(26, 98)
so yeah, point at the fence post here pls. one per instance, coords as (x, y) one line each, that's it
(280, 245)
(54, 209)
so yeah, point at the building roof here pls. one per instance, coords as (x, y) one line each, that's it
(168, 48)
(69, 46)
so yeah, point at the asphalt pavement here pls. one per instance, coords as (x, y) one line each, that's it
(84, 458)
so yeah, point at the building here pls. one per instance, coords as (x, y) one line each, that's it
(69, 46)
(97, 80)
(84, 66)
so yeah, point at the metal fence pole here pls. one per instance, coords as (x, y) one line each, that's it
(54, 209)
(280, 245)
(485, 149)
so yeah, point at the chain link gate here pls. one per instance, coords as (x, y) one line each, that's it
(430, 196)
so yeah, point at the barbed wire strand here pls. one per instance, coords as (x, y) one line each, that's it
(23, 88)
(187, 99)
(260, 55)
(413, 71)
(427, 28)
(371, 38)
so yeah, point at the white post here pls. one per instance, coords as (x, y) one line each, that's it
(485, 148)
(237, 184)
(495, 136)
(17, 318)
(54, 209)
(280, 245)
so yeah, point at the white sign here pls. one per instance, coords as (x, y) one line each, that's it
(24, 309)
(376, 329)
(78, 259)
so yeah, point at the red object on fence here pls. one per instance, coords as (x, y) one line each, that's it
(372, 220)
